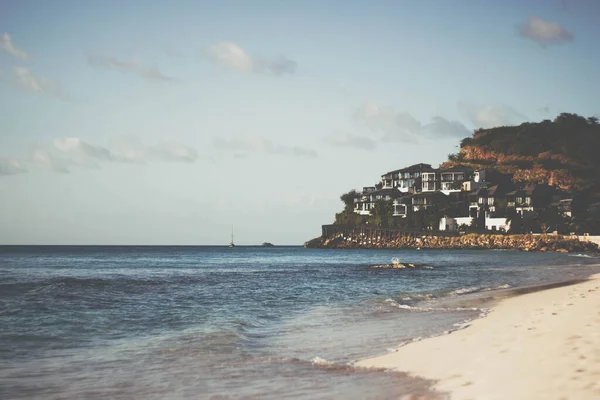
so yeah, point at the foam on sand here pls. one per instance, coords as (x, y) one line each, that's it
(540, 345)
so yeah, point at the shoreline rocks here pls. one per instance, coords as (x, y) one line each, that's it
(528, 242)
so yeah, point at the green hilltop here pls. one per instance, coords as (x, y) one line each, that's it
(562, 153)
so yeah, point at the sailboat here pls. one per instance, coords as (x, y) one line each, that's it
(231, 244)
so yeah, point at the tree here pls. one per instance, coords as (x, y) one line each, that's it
(516, 222)
(348, 199)
(383, 212)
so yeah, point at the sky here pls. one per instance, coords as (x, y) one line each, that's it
(165, 123)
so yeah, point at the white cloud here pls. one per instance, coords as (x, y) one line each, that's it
(25, 79)
(8, 46)
(490, 116)
(66, 153)
(11, 166)
(544, 32)
(244, 145)
(230, 55)
(352, 141)
(403, 127)
(439, 127)
(134, 66)
(46, 159)
(173, 152)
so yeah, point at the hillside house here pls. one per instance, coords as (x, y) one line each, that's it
(400, 206)
(484, 201)
(362, 203)
(409, 179)
(529, 198)
(452, 179)
(425, 200)
(430, 181)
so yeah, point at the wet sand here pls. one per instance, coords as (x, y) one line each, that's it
(540, 345)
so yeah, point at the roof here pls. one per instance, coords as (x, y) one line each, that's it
(457, 168)
(490, 191)
(385, 191)
(413, 168)
(429, 194)
(527, 189)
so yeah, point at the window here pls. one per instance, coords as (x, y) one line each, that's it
(519, 200)
(528, 200)
(490, 201)
(417, 174)
(406, 175)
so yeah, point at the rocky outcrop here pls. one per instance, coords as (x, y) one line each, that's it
(563, 244)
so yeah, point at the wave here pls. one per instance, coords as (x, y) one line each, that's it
(582, 255)
(418, 297)
(429, 309)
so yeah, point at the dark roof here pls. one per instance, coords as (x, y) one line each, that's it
(490, 191)
(417, 168)
(527, 189)
(385, 191)
(429, 194)
(457, 168)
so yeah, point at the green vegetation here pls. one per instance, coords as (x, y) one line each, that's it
(563, 152)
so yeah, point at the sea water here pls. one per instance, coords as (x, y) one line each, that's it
(237, 323)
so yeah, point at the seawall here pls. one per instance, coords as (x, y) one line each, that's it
(358, 239)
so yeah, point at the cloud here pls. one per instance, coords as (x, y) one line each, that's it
(134, 67)
(66, 153)
(8, 46)
(46, 159)
(11, 166)
(244, 145)
(440, 127)
(352, 141)
(232, 56)
(25, 79)
(490, 116)
(544, 32)
(403, 127)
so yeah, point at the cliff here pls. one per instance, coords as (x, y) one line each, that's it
(563, 152)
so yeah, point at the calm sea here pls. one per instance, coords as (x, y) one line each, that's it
(246, 322)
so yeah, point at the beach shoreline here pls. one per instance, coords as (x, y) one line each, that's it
(537, 345)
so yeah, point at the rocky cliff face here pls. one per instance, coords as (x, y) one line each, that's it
(562, 152)
(562, 244)
(551, 169)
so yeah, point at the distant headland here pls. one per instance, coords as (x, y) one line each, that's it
(538, 181)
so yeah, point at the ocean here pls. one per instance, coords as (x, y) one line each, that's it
(137, 322)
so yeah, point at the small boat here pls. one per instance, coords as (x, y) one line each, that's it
(231, 244)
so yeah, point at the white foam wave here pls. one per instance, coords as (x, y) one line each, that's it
(321, 361)
(466, 290)
(429, 309)
(581, 255)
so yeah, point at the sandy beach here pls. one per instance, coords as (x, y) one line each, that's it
(541, 345)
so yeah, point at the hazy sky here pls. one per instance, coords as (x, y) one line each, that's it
(155, 122)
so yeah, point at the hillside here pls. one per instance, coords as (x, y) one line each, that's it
(563, 152)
